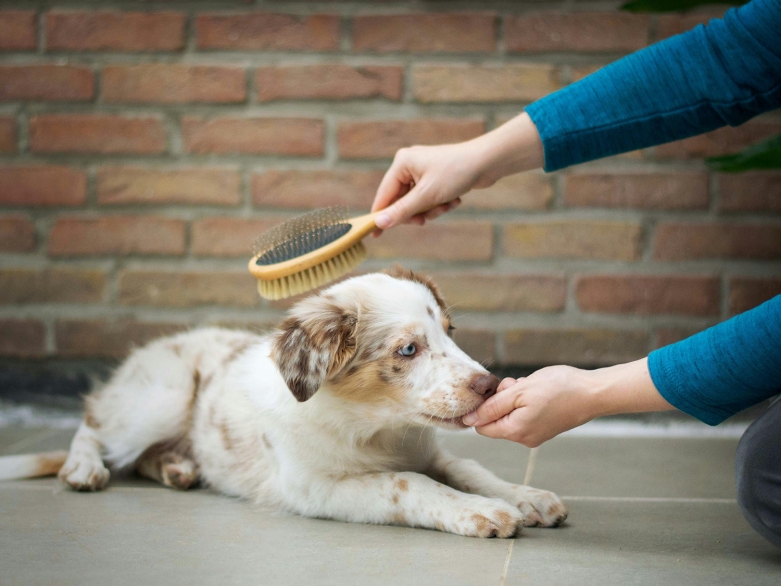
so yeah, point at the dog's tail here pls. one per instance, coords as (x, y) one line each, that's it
(31, 465)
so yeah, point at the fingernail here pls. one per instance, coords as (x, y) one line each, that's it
(470, 419)
(383, 221)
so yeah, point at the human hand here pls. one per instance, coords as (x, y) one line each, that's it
(424, 182)
(555, 399)
(534, 409)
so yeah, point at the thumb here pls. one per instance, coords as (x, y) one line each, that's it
(398, 213)
(494, 408)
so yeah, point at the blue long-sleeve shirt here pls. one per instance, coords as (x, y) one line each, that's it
(708, 77)
(716, 75)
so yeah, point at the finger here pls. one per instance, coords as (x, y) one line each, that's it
(433, 214)
(401, 211)
(494, 408)
(393, 185)
(505, 384)
(501, 429)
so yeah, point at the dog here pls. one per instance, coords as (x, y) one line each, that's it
(330, 416)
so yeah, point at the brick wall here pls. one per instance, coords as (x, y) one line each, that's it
(143, 146)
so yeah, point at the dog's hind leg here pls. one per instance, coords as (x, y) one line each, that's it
(84, 469)
(169, 465)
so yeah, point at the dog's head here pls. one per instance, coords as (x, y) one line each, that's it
(382, 339)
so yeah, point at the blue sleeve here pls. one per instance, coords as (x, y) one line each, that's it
(725, 369)
(711, 76)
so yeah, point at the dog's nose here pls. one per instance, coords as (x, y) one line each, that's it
(484, 384)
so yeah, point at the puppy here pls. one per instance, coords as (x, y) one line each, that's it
(331, 416)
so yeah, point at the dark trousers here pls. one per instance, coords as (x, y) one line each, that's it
(758, 471)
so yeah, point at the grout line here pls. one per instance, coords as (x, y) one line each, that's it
(530, 466)
(641, 499)
(503, 577)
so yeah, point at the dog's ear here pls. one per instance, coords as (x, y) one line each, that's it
(314, 343)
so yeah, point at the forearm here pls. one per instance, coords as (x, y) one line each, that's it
(689, 84)
(624, 388)
(724, 369)
(511, 148)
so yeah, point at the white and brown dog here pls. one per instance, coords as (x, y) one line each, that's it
(331, 416)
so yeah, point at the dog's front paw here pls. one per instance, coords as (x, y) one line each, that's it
(487, 518)
(540, 507)
(84, 473)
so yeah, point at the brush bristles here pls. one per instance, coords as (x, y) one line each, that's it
(313, 277)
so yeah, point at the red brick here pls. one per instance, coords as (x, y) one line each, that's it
(260, 136)
(577, 31)
(228, 236)
(38, 185)
(649, 294)
(676, 23)
(57, 285)
(724, 141)
(267, 31)
(55, 83)
(114, 31)
(328, 82)
(7, 135)
(174, 83)
(259, 327)
(147, 185)
(482, 291)
(96, 134)
(315, 189)
(445, 241)
(425, 33)
(581, 71)
(747, 292)
(381, 139)
(523, 191)
(575, 239)
(653, 191)
(689, 240)
(753, 191)
(116, 235)
(22, 338)
(100, 338)
(188, 289)
(17, 234)
(578, 347)
(483, 83)
(479, 344)
(18, 30)
(667, 336)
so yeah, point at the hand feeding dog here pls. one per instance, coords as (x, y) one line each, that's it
(331, 416)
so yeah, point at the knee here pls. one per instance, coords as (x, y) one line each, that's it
(757, 470)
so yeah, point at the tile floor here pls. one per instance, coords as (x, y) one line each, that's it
(642, 511)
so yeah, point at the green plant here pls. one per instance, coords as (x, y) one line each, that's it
(765, 155)
(672, 5)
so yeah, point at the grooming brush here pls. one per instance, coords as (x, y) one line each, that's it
(309, 251)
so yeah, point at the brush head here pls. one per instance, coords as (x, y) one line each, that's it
(301, 235)
(308, 251)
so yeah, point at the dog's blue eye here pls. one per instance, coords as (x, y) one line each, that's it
(408, 350)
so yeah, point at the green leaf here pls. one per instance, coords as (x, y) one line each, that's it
(673, 5)
(765, 155)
